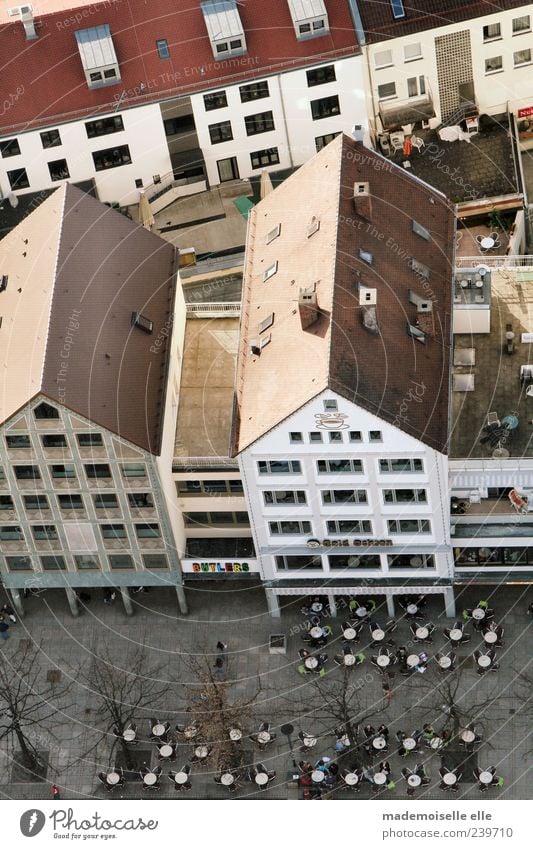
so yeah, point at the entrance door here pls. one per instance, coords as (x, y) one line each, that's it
(228, 169)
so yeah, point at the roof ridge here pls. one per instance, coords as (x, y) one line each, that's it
(64, 189)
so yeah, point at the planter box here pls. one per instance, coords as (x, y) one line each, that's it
(277, 644)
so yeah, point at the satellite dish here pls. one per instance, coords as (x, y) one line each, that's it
(13, 200)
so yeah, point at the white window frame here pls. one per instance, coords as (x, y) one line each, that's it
(521, 18)
(270, 271)
(407, 58)
(526, 62)
(386, 64)
(424, 527)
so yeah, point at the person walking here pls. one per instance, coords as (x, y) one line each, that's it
(54, 792)
(9, 612)
(222, 652)
(219, 668)
(4, 628)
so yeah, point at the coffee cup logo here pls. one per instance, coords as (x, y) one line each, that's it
(32, 822)
(331, 421)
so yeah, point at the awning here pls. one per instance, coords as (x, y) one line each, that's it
(396, 115)
(498, 480)
(96, 47)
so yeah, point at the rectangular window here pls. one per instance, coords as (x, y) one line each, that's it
(228, 169)
(53, 562)
(355, 436)
(162, 48)
(336, 436)
(54, 440)
(104, 126)
(289, 528)
(495, 63)
(366, 256)
(386, 90)
(412, 51)
(344, 496)
(36, 502)
(295, 436)
(521, 24)
(176, 126)
(220, 132)
(315, 436)
(263, 158)
(133, 470)
(322, 141)
(416, 86)
(294, 562)
(401, 465)
(375, 436)
(397, 9)
(339, 466)
(491, 31)
(419, 268)
(18, 179)
(521, 57)
(319, 76)
(120, 561)
(9, 148)
(354, 561)
(86, 561)
(58, 170)
(62, 471)
(262, 122)
(254, 91)
(138, 500)
(97, 470)
(404, 496)
(155, 561)
(279, 467)
(18, 441)
(349, 526)
(41, 532)
(90, 440)
(236, 487)
(50, 138)
(409, 526)
(273, 234)
(70, 502)
(325, 107)
(26, 473)
(215, 100)
(421, 231)
(11, 532)
(330, 404)
(411, 561)
(105, 501)
(19, 563)
(116, 531)
(148, 530)
(113, 157)
(284, 496)
(270, 271)
(6, 502)
(383, 59)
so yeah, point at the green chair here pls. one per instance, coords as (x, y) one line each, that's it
(500, 782)
(483, 604)
(322, 672)
(302, 670)
(360, 658)
(327, 630)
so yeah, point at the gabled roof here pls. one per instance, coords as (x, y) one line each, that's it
(383, 373)
(76, 272)
(55, 90)
(380, 24)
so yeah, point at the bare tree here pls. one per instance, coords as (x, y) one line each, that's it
(124, 691)
(29, 704)
(524, 692)
(451, 696)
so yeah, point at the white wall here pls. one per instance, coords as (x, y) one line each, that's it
(143, 133)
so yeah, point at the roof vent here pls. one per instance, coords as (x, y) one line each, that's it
(313, 227)
(254, 348)
(140, 321)
(367, 296)
(362, 201)
(370, 319)
(308, 306)
(3, 282)
(26, 16)
(416, 333)
(421, 304)
(360, 189)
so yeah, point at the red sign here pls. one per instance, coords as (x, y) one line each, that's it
(524, 113)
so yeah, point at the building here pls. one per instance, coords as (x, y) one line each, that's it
(92, 319)
(168, 99)
(444, 62)
(342, 385)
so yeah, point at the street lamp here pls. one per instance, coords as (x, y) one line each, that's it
(287, 730)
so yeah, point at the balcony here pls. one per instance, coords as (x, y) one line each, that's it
(395, 114)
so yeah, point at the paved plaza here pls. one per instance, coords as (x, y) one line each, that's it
(236, 614)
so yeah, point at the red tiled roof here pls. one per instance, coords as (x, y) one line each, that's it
(44, 83)
(420, 15)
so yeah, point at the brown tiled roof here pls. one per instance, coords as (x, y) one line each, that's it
(380, 25)
(94, 361)
(390, 374)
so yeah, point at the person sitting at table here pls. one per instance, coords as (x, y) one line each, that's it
(453, 657)
(384, 767)
(339, 658)
(421, 666)
(303, 653)
(428, 731)
(264, 728)
(383, 731)
(304, 736)
(153, 724)
(491, 627)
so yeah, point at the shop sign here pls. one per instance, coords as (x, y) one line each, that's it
(334, 543)
(219, 567)
(525, 112)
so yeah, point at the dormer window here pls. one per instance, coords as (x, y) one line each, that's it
(98, 56)
(398, 10)
(309, 18)
(224, 28)
(140, 321)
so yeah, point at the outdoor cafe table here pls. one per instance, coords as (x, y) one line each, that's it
(412, 609)
(383, 660)
(379, 778)
(261, 778)
(165, 751)
(349, 634)
(487, 243)
(422, 633)
(309, 663)
(409, 743)
(445, 662)
(150, 778)
(317, 607)
(158, 729)
(379, 743)
(316, 632)
(478, 613)
(435, 743)
(129, 735)
(112, 778)
(309, 742)
(361, 612)
(264, 736)
(317, 776)
(456, 634)
(349, 659)
(351, 779)
(227, 779)
(414, 780)
(235, 734)
(378, 635)
(490, 637)
(201, 752)
(484, 661)
(468, 736)
(181, 778)
(413, 660)
(486, 777)
(449, 778)
(190, 732)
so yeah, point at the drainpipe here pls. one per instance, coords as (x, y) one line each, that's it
(285, 120)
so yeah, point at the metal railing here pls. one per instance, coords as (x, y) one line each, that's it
(224, 310)
(509, 262)
(183, 464)
(168, 182)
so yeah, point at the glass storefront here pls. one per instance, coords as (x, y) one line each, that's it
(486, 556)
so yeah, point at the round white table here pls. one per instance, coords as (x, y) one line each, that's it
(414, 781)
(379, 743)
(190, 732)
(351, 779)
(412, 609)
(378, 635)
(317, 776)
(309, 742)
(201, 752)
(456, 635)
(445, 662)
(129, 735)
(435, 743)
(349, 659)
(150, 779)
(409, 743)
(166, 751)
(413, 660)
(349, 634)
(309, 663)
(478, 614)
(235, 734)
(317, 607)
(449, 778)
(158, 730)
(227, 779)
(484, 661)
(487, 243)
(112, 778)
(422, 633)
(264, 736)
(261, 778)
(181, 778)
(345, 740)
(468, 736)
(490, 637)
(316, 632)
(361, 612)
(486, 777)
(380, 778)
(383, 660)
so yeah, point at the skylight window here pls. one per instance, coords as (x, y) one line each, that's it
(366, 256)
(416, 333)
(140, 321)
(314, 226)
(397, 9)
(271, 270)
(421, 231)
(273, 234)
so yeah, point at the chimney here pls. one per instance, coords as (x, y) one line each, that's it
(308, 306)
(26, 16)
(362, 201)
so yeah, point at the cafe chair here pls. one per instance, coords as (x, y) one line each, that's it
(303, 670)
(479, 238)
(303, 736)
(102, 777)
(180, 729)
(417, 143)
(303, 653)
(493, 236)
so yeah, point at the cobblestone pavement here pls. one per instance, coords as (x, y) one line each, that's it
(236, 614)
